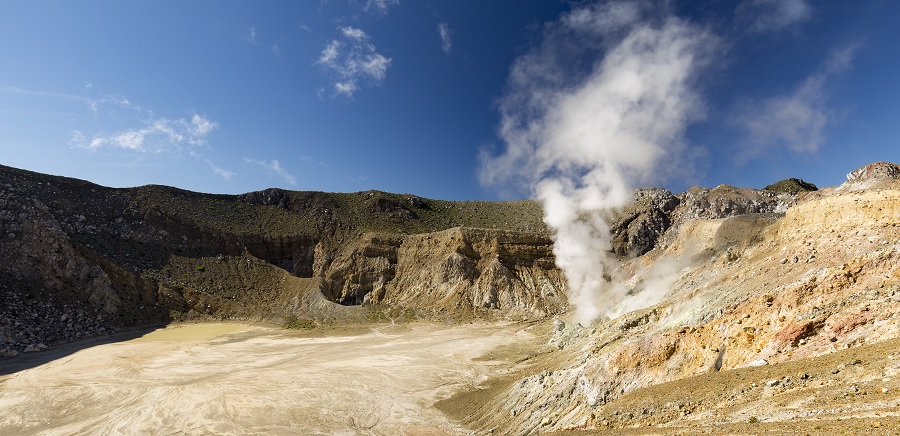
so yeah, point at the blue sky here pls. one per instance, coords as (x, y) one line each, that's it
(410, 96)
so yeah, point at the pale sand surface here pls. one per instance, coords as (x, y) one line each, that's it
(241, 379)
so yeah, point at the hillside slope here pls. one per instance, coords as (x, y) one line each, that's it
(753, 306)
(79, 260)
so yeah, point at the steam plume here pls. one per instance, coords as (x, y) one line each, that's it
(587, 114)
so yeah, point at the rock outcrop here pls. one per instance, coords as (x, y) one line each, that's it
(875, 171)
(477, 272)
(637, 227)
(655, 216)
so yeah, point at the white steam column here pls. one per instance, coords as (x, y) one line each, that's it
(582, 139)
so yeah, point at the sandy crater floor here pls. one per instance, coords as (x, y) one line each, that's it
(240, 379)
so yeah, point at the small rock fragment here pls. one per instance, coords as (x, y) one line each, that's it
(558, 325)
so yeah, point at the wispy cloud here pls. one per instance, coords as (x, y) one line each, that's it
(225, 174)
(379, 6)
(217, 170)
(116, 99)
(772, 15)
(157, 135)
(797, 120)
(345, 88)
(353, 33)
(274, 168)
(276, 51)
(446, 42)
(91, 102)
(330, 53)
(140, 132)
(302, 26)
(251, 35)
(200, 127)
(353, 59)
(27, 92)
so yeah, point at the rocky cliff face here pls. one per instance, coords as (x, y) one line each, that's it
(477, 272)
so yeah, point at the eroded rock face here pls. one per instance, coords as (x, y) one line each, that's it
(477, 272)
(455, 274)
(359, 273)
(875, 171)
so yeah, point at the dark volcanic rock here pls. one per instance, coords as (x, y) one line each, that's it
(637, 227)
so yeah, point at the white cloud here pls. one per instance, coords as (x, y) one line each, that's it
(157, 135)
(353, 33)
(201, 126)
(446, 41)
(304, 27)
(797, 120)
(251, 35)
(330, 53)
(276, 51)
(353, 60)
(274, 168)
(375, 66)
(94, 104)
(345, 88)
(772, 15)
(380, 6)
(604, 17)
(580, 135)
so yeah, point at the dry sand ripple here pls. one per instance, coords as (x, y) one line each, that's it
(239, 379)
